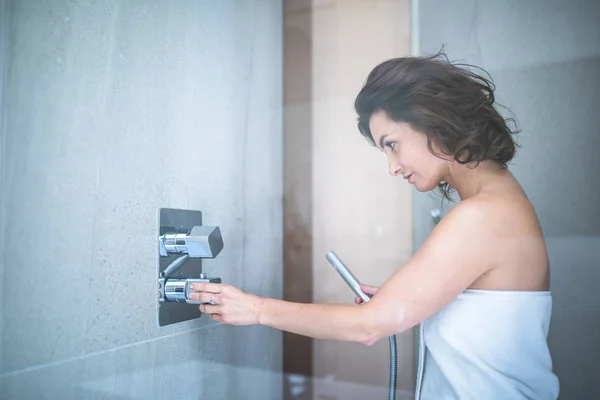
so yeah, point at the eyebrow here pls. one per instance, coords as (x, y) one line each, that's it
(381, 139)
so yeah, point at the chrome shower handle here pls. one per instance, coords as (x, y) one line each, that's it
(199, 242)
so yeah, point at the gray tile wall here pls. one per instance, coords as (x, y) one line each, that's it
(111, 110)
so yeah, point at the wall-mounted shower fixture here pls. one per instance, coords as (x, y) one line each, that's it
(182, 244)
(436, 215)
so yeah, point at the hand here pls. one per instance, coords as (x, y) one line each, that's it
(368, 290)
(232, 306)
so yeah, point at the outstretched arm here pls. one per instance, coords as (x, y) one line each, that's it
(454, 256)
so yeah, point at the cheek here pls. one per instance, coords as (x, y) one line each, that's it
(418, 161)
(429, 172)
(408, 157)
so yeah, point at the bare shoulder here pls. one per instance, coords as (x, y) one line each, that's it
(506, 214)
(468, 233)
(491, 241)
(506, 228)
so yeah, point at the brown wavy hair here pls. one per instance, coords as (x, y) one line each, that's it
(452, 105)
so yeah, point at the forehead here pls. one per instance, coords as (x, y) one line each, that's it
(380, 124)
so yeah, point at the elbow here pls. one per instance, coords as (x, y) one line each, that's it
(370, 340)
(374, 329)
(370, 337)
(375, 336)
(371, 333)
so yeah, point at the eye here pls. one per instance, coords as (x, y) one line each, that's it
(391, 145)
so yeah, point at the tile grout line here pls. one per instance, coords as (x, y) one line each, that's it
(97, 353)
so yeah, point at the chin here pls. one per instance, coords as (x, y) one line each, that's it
(427, 187)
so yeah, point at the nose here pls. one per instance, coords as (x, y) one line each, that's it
(395, 169)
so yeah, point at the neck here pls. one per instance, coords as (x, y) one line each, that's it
(469, 181)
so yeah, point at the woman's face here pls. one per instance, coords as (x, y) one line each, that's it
(407, 152)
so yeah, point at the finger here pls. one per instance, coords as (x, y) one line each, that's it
(357, 300)
(206, 287)
(216, 317)
(205, 297)
(368, 289)
(209, 309)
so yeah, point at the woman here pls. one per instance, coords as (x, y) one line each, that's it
(479, 285)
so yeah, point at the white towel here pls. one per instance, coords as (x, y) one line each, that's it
(488, 345)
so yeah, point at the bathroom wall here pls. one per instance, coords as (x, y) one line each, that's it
(545, 59)
(339, 194)
(3, 43)
(111, 110)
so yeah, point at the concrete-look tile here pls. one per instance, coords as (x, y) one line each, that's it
(118, 109)
(164, 158)
(528, 33)
(158, 369)
(49, 165)
(574, 264)
(263, 180)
